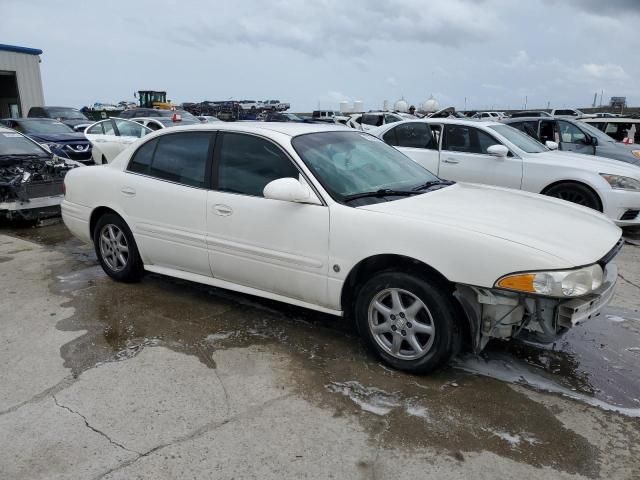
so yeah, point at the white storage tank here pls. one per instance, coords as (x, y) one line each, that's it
(431, 105)
(385, 106)
(401, 105)
(358, 106)
(344, 107)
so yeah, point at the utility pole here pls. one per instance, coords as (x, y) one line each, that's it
(601, 94)
(526, 99)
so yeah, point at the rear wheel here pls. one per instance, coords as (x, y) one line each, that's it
(409, 322)
(575, 193)
(116, 249)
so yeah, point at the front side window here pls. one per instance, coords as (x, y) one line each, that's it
(246, 164)
(109, 128)
(569, 133)
(464, 139)
(178, 157)
(390, 118)
(349, 163)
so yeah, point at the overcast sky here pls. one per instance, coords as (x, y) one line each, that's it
(317, 52)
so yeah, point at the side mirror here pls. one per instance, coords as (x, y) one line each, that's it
(290, 190)
(594, 141)
(551, 145)
(498, 151)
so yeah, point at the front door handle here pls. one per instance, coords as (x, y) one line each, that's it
(450, 160)
(223, 210)
(128, 191)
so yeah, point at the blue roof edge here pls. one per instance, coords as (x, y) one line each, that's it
(16, 49)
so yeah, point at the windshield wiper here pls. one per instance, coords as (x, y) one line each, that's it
(432, 183)
(383, 192)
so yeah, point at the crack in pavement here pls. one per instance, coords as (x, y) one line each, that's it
(66, 382)
(208, 427)
(629, 281)
(99, 432)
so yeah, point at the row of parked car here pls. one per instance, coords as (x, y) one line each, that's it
(383, 226)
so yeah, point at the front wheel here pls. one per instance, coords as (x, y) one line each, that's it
(116, 249)
(409, 322)
(575, 193)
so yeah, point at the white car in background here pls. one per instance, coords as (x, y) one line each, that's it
(335, 220)
(496, 154)
(111, 136)
(570, 112)
(487, 116)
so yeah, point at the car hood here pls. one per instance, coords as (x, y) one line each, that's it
(58, 137)
(571, 233)
(592, 162)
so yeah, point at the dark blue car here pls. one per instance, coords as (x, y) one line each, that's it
(61, 139)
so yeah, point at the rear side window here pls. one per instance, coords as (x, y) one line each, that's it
(374, 120)
(179, 157)
(97, 129)
(412, 135)
(530, 128)
(141, 160)
(246, 164)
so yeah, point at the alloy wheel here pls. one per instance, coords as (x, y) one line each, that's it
(401, 324)
(114, 247)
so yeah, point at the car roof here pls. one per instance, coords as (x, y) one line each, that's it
(291, 129)
(525, 119)
(472, 122)
(32, 119)
(612, 120)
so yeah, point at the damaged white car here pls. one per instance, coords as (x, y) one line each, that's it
(337, 221)
(31, 178)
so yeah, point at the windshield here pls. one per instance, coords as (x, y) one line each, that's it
(44, 126)
(594, 132)
(66, 113)
(521, 140)
(349, 163)
(15, 144)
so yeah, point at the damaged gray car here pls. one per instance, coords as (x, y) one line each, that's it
(31, 178)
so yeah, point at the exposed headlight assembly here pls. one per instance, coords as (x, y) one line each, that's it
(562, 283)
(621, 183)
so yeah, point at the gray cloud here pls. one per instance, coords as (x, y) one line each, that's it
(335, 26)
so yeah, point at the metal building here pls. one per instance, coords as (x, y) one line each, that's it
(20, 80)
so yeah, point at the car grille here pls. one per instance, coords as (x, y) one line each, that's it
(43, 189)
(630, 215)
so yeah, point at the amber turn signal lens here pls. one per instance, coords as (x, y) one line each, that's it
(521, 283)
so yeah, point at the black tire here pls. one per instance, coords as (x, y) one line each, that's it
(132, 269)
(576, 193)
(439, 313)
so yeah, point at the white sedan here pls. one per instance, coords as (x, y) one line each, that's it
(335, 220)
(496, 154)
(111, 136)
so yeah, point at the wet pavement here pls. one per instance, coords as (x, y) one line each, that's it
(168, 379)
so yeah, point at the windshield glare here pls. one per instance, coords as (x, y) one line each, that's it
(349, 163)
(521, 140)
(15, 144)
(36, 127)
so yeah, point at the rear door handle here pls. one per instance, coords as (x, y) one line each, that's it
(451, 160)
(223, 210)
(128, 191)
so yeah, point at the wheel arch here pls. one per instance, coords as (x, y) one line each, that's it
(97, 213)
(373, 264)
(575, 182)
